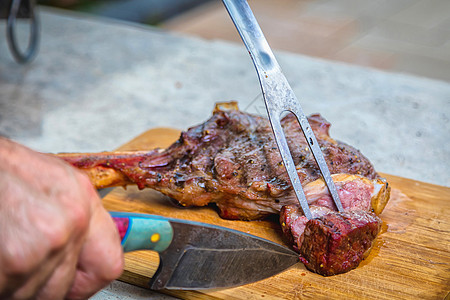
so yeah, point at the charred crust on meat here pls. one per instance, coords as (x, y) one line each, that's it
(179, 179)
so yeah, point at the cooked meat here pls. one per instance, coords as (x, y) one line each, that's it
(337, 242)
(332, 242)
(231, 160)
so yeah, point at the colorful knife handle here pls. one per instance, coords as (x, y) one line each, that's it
(143, 232)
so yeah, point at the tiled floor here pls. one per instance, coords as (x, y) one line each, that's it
(411, 36)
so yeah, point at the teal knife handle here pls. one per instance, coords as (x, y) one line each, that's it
(143, 232)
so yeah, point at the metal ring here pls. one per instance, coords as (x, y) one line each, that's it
(33, 40)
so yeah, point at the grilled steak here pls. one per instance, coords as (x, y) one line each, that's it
(337, 242)
(231, 160)
(333, 242)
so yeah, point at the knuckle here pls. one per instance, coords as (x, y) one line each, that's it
(58, 236)
(78, 219)
(63, 228)
(114, 271)
(83, 180)
(87, 190)
(17, 261)
(113, 264)
(50, 235)
(116, 268)
(78, 203)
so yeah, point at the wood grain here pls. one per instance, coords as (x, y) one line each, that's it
(410, 260)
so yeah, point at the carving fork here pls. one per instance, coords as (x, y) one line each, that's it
(279, 98)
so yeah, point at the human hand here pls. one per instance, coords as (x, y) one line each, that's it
(57, 241)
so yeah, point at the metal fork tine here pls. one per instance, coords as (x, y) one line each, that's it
(318, 155)
(289, 162)
(279, 98)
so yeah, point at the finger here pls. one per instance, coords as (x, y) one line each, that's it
(26, 286)
(53, 277)
(58, 262)
(30, 253)
(60, 281)
(39, 278)
(101, 259)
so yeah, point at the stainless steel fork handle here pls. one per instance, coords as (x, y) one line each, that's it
(279, 98)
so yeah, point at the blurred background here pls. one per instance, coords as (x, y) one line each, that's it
(406, 36)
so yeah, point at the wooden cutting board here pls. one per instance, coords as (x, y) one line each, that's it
(410, 260)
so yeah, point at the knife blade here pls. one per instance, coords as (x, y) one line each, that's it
(196, 255)
(279, 98)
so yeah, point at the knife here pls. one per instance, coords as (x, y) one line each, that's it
(279, 98)
(197, 255)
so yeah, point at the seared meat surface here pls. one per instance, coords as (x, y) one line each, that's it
(332, 242)
(337, 242)
(231, 160)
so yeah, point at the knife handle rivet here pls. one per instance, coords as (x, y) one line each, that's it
(155, 237)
